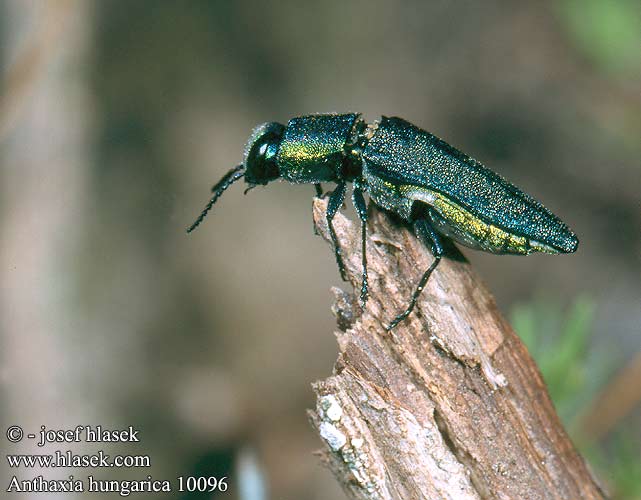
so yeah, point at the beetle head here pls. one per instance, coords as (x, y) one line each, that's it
(260, 153)
(258, 167)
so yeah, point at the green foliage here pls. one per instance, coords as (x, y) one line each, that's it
(607, 32)
(574, 372)
(619, 463)
(625, 467)
(559, 342)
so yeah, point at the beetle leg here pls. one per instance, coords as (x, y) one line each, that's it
(429, 237)
(336, 200)
(361, 209)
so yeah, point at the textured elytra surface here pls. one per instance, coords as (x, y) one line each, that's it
(401, 154)
(419, 412)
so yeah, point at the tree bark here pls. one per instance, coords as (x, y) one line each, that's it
(449, 404)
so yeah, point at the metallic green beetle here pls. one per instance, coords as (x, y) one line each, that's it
(437, 189)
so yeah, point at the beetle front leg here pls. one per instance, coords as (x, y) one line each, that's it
(361, 209)
(430, 238)
(336, 200)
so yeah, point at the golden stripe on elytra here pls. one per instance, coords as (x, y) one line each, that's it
(487, 236)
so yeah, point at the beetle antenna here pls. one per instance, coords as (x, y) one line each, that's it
(228, 179)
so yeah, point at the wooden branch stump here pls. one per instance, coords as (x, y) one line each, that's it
(449, 404)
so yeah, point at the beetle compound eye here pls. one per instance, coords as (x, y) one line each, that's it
(260, 153)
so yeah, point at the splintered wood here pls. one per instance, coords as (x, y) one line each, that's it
(449, 404)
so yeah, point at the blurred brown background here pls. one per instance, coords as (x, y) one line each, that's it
(117, 117)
